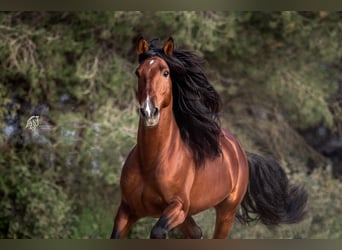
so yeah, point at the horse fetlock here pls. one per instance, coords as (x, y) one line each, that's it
(115, 235)
(196, 233)
(160, 229)
(158, 232)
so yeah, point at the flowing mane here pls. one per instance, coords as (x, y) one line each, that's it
(196, 103)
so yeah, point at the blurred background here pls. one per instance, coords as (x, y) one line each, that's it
(278, 73)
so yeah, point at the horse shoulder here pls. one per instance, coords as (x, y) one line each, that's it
(131, 181)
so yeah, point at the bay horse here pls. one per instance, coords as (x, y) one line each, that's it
(184, 162)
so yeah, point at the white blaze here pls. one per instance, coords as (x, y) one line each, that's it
(148, 107)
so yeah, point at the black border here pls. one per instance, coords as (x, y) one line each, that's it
(16, 5)
(170, 244)
(153, 5)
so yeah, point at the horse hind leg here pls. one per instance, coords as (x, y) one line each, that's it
(190, 229)
(225, 214)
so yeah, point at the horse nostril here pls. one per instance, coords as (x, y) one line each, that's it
(156, 111)
(147, 114)
(142, 112)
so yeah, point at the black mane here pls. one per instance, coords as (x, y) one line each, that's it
(196, 103)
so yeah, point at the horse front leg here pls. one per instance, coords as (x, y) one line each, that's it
(171, 217)
(123, 222)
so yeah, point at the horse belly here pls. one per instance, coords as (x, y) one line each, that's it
(209, 188)
(221, 178)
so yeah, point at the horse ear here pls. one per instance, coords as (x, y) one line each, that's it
(142, 46)
(168, 47)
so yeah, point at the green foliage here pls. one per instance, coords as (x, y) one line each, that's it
(75, 70)
(32, 206)
(298, 89)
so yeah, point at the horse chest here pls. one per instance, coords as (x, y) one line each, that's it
(152, 201)
(146, 199)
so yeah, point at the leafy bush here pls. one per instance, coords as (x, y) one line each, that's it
(32, 206)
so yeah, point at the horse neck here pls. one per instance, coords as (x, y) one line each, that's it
(156, 144)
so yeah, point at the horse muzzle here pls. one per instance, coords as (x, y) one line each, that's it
(149, 113)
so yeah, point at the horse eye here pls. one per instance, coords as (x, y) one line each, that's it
(166, 73)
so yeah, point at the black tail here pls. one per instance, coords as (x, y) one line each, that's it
(270, 197)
